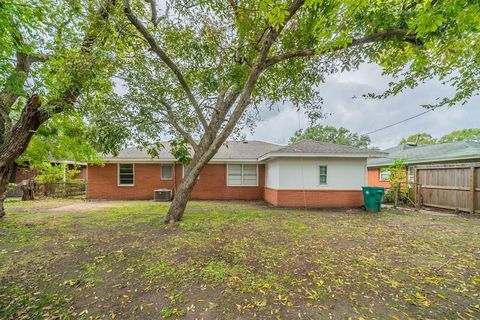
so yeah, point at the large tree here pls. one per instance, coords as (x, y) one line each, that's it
(203, 69)
(472, 134)
(419, 138)
(333, 135)
(51, 52)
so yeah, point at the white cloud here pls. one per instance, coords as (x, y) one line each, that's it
(365, 115)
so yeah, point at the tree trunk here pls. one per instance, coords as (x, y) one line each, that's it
(30, 119)
(4, 175)
(395, 196)
(28, 189)
(181, 197)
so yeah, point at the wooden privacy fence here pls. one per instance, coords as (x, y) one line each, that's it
(449, 186)
(60, 190)
(56, 190)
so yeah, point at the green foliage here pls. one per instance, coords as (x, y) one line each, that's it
(216, 43)
(181, 151)
(332, 135)
(398, 172)
(242, 264)
(419, 138)
(405, 196)
(398, 179)
(48, 173)
(63, 137)
(461, 135)
(61, 51)
(472, 135)
(11, 187)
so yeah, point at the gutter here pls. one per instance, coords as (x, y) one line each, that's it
(379, 165)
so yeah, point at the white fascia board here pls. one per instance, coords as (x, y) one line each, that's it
(312, 155)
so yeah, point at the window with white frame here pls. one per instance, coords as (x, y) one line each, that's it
(411, 175)
(322, 174)
(166, 172)
(242, 175)
(384, 175)
(126, 174)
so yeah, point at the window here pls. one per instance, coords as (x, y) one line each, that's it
(411, 175)
(125, 174)
(384, 175)
(166, 172)
(242, 175)
(323, 174)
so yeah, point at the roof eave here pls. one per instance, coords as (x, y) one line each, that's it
(170, 160)
(313, 155)
(375, 165)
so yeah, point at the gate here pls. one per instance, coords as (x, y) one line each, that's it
(449, 186)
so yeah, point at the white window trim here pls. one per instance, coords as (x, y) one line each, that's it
(411, 177)
(171, 166)
(380, 175)
(118, 175)
(242, 185)
(318, 175)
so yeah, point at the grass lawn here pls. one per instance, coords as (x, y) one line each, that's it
(229, 260)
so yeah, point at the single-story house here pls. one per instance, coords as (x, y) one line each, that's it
(307, 173)
(412, 155)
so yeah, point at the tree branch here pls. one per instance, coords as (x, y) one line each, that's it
(355, 42)
(258, 67)
(165, 58)
(155, 18)
(175, 124)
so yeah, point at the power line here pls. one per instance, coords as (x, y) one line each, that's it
(394, 124)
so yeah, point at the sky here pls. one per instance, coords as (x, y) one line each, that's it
(365, 115)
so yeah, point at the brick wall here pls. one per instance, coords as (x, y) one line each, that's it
(271, 196)
(374, 178)
(102, 182)
(212, 184)
(314, 198)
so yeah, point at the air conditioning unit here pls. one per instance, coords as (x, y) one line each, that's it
(162, 195)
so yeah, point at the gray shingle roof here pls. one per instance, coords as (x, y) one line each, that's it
(452, 151)
(323, 149)
(231, 150)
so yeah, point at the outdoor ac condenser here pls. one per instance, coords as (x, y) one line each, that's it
(162, 195)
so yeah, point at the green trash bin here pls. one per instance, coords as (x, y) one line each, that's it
(372, 198)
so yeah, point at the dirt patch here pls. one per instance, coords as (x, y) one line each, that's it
(82, 206)
(233, 260)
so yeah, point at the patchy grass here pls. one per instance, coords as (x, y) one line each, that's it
(229, 260)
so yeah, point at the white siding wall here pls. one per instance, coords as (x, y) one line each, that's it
(272, 174)
(296, 173)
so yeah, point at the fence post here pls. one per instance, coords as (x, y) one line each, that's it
(417, 189)
(472, 189)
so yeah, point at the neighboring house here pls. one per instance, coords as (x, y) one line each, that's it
(453, 152)
(306, 173)
(20, 173)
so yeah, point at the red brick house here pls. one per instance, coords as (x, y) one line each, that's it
(306, 173)
(412, 155)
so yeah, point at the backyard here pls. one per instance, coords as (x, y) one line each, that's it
(72, 259)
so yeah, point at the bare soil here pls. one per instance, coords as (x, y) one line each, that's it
(235, 260)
